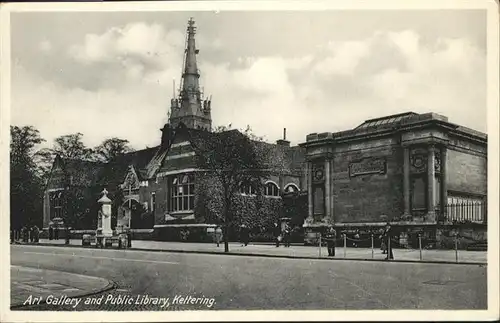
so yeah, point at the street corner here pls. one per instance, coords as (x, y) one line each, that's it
(33, 286)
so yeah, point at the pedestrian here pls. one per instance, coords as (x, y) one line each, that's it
(56, 233)
(331, 240)
(356, 238)
(244, 235)
(51, 232)
(25, 233)
(31, 234)
(128, 230)
(277, 234)
(66, 235)
(287, 235)
(36, 234)
(218, 235)
(247, 235)
(387, 239)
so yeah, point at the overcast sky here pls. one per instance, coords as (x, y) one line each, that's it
(110, 74)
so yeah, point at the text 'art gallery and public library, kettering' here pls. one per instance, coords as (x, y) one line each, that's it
(420, 172)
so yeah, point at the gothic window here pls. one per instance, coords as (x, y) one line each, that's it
(182, 193)
(56, 209)
(271, 189)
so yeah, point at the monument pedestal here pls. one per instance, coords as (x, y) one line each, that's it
(105, 231)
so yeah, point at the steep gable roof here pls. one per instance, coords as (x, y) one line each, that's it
(114, 172)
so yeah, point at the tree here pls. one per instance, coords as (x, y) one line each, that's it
(232, 159)
(26, 188)
(111, 148)
(67, 147)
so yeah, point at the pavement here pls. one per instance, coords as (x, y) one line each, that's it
(300, 251)
(230, 282)
(30, 286)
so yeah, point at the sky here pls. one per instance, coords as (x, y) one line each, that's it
(110, 74)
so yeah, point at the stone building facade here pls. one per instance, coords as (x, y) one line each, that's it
(412, 170)
(408, 169)
(158, 189)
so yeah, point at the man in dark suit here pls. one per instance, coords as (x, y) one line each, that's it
(331, 237)
(388, 233)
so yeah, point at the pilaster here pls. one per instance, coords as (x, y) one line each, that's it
(444, 183)
(309, 190)
(406, 180)
(327, 188)
(431, 184)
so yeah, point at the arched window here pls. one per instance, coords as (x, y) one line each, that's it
(56, 203)
(182, 193)
(291, 188)
(248, 189)
(271, 189)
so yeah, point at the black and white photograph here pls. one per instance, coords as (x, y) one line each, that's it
(277, 157)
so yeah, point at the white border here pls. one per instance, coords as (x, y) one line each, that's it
(417, 315)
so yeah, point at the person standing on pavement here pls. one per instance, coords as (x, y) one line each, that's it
(51, 232)
(244, 235)
(67, 233)
(356, 238)
(24, 234)
(287, 235)
(218, 235)
(331, 237)
(277, 234)
(36, 234)
(388, 233)
(56, 233)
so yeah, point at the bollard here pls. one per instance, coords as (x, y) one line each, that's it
(345, 245)
(420, 245)
(456, 248)
(320, 244)
(373, 253)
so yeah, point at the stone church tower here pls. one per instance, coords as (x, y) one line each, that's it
(190, 108)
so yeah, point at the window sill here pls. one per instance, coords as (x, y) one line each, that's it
(174, 213)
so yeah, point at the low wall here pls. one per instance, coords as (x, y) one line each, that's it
(137, 234)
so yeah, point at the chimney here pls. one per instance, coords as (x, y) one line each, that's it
(283, 142)
(166, 137)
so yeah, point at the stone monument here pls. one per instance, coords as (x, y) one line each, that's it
(106, 230)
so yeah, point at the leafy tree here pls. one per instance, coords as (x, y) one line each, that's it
(26, 188)
(231, 159)
(67, 147)
(112, 148)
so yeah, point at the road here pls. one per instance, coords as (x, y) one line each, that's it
(241, 282)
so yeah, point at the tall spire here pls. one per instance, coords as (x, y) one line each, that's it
(190, 108)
